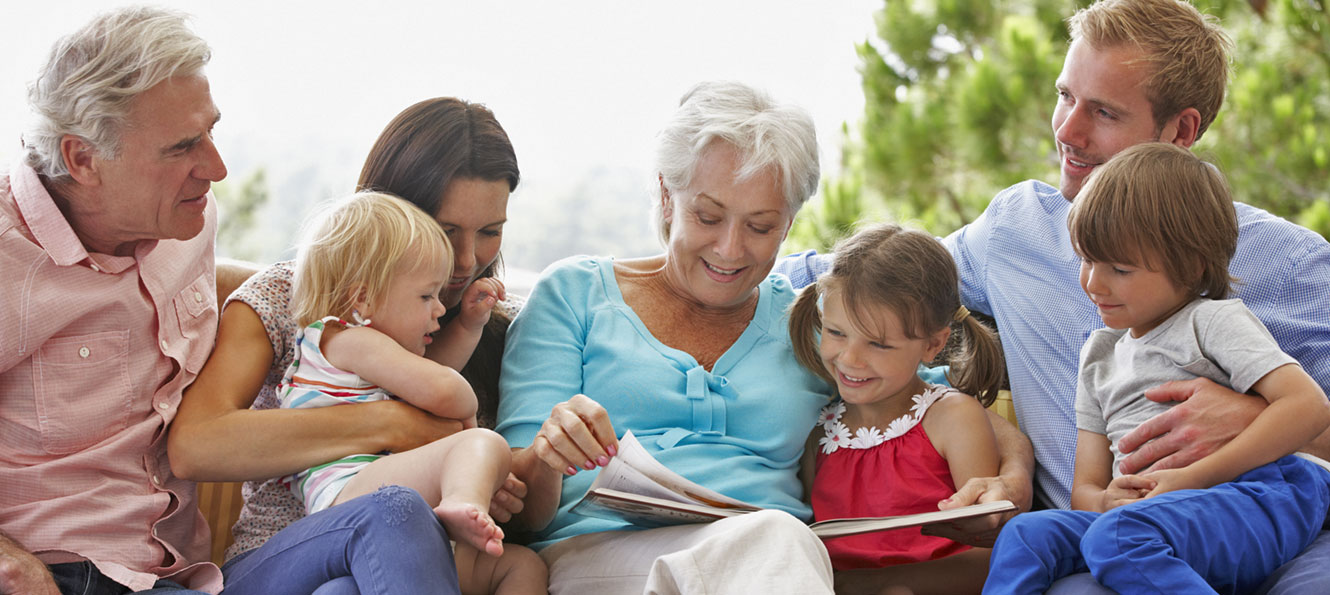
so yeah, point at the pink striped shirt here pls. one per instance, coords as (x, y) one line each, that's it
(94, 353)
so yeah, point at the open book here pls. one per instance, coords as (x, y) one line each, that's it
(636, 488)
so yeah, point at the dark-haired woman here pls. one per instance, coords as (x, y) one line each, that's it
(453, 160)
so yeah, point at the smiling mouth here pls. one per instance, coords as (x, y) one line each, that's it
(720, 271)
(851, 380)
(1067, 155)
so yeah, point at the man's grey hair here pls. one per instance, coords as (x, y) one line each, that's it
(90, 80)
(766, 134)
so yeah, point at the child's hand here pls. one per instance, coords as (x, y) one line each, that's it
(478, 300)
(508, 500)
(1126, 489)
(1172, 480)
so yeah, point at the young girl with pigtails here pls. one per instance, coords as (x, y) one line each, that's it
(891, 443)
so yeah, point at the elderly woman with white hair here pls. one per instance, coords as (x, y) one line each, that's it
(688, 350)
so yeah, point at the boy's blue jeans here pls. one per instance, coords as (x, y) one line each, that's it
(384, 543)
(1227, 538)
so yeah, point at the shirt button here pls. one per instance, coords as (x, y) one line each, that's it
(96, 268)
(163, 406)
(156, 481)
(198, 297)
(84, 352)
(163, 344)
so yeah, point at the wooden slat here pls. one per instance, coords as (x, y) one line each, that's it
(220, 504)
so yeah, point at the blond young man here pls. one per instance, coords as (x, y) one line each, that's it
(1136, 71)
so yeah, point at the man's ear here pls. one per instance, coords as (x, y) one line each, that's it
(1182, 129)
(80, 159)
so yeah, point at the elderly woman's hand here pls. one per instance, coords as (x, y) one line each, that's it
(577, 434)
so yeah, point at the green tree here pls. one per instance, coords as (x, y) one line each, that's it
(959, 96)
(238, 236)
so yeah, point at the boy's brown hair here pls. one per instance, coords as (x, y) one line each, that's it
(1159, 206)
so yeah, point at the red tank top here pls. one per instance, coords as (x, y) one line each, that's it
(870, 474)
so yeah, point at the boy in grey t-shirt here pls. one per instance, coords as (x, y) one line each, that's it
(1155, 228)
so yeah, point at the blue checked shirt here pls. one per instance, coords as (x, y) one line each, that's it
(1016, 264)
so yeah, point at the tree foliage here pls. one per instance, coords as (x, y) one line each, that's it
(959, 97)
(238, 235)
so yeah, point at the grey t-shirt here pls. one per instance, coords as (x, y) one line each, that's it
(1216, 339)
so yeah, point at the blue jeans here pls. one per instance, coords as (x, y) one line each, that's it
(1229, 537)
(382, 543)
(83, 578)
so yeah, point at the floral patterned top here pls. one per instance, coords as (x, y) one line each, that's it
(873, 473)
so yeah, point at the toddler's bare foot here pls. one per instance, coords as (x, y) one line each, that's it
(468, 524)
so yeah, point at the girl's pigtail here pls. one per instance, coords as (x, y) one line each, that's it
(805, 323)
(978, 368)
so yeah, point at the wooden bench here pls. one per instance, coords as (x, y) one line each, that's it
(220, 504)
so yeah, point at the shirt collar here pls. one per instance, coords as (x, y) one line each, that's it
(49, 226)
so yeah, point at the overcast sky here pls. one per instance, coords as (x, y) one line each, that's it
(577, 84)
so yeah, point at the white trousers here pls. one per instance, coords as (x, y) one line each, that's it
(768, 552)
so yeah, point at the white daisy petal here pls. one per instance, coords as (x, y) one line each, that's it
(835, 439)
(831, 414)
(828, 446)
(899, 426)
(867, 438)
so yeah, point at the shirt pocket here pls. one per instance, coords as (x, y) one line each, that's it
(196, 314)
(82, 389)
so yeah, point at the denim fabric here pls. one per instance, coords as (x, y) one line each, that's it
(83, 578)
(388, 542)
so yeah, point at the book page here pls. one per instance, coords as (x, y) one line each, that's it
(635, 471)
(645, 511)
(841, 527)
(636, 488)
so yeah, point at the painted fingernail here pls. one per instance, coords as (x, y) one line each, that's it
(571, 470)
(603, 460)
(613, 450)
(588, 465)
